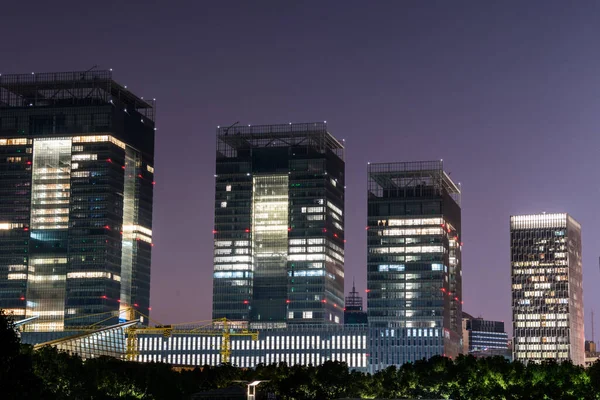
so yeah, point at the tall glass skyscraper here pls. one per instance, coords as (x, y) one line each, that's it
(414, 273)
(279, 225)
(76, 183)
(547, 288)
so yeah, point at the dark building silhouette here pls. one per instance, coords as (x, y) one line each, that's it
(353, 313)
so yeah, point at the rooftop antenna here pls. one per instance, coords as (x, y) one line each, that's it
(229, 127)
(593, 341)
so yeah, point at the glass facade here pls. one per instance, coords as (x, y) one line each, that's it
(269, 247)
(109, 342)
(547, 291)
(76, 163)
(414, 273)
(279, 225)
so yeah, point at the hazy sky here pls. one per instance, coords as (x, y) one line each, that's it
(507, 93)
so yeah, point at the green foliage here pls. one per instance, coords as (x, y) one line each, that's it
(17, 379)
(50, 374)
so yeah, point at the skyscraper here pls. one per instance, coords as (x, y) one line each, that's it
(279, 225)
(76, 183)
(414, 272)
(547, 292)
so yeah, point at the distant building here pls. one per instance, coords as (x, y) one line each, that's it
(279, 225)
(414, 273)
(547, 293)
(353, 313)
(591, 354)
(483, 337)
(590, 347)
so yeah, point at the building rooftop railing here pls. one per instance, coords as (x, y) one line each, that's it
(411, 177)
(234, 138)
(56, 89)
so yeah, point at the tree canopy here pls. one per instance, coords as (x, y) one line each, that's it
(50, 374)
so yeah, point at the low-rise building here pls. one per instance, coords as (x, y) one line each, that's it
(297, 344)
(483, 337)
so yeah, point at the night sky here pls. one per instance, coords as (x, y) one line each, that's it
(507, 93)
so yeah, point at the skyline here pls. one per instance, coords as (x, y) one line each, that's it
(479, 87)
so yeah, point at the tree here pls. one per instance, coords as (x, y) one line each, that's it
(17, 379)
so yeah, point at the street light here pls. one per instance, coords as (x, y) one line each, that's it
(252, 389)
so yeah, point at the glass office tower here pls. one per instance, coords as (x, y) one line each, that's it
(414, 274)
(279, 225)
(547, 290)
(76, 183)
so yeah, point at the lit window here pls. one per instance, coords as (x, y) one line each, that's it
(84, 157)
(334, 208)
(223, 204)
(88, 275)
(4, 226)
(16, 276)
(13, 142)
(228, 188)
(98, 138)
(307, 314)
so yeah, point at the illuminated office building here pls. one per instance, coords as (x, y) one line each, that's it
(547, 292)
(76, 183)
(279, 225)
(414, 274)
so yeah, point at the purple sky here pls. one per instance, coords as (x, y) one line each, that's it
(507, 93)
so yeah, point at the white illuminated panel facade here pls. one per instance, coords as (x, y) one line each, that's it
(50, 189)
(547, 294)
(269, 247)
(304, 346)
